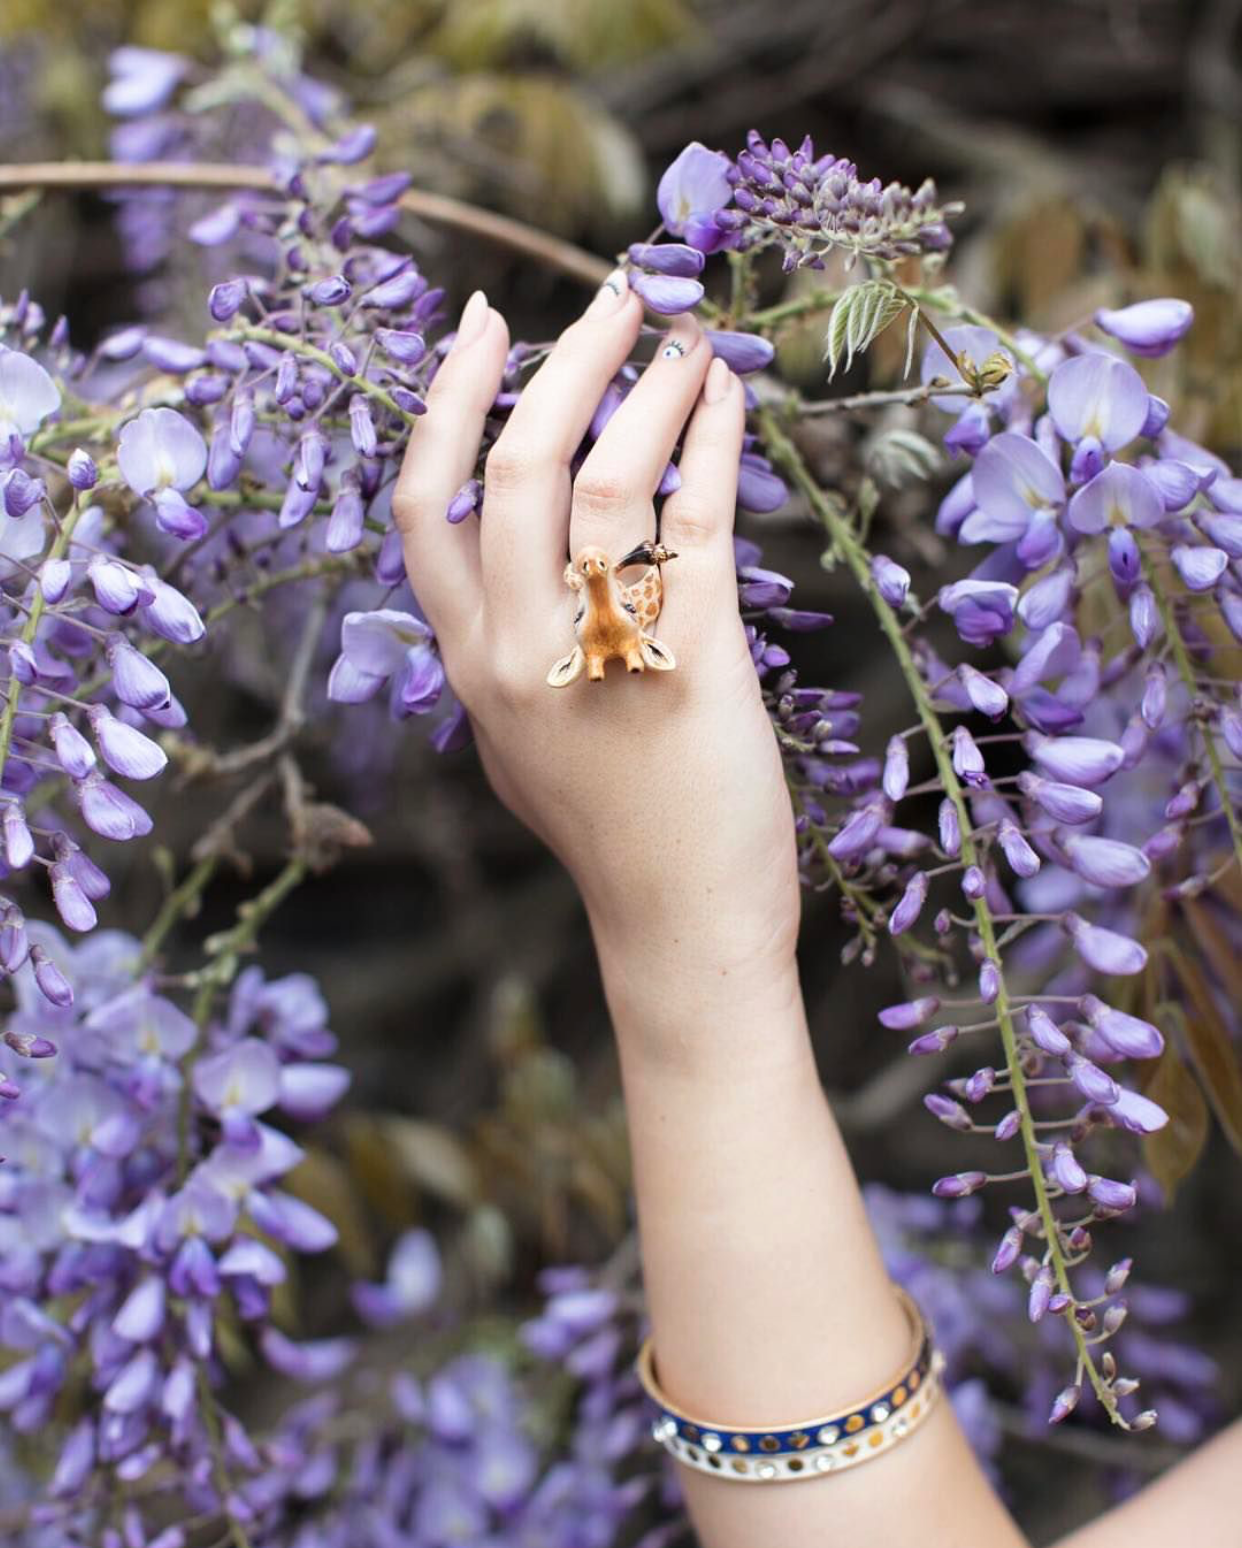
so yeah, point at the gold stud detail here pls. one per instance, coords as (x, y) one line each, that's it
(877, 1438)
(854, 1423)
(800, 1440)
(769, 1443)
(795, 1464)
(739, 1443)
(913, 1383)
(899, 1397)
(739, 1466)
(851, 1450)
(690, 1431)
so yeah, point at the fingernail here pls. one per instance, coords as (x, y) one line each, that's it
(680, 338)
(610, 294)
(718, 381)
(472, 322)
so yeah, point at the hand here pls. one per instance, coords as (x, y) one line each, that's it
(661, 792)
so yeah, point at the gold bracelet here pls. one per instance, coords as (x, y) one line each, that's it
(783, 1453)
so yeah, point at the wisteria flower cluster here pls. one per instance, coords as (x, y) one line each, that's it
(1067, 788)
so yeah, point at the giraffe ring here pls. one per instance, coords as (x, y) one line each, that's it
(614, 619)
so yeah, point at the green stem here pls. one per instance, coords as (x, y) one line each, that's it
(970, 314)
(786, 455)
(813, 301)
(296, 346)
(1186, 671)
(9, 714)
(175, 904)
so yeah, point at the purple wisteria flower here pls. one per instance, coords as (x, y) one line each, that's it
(161, 455)
(382, 646)
(692, 191)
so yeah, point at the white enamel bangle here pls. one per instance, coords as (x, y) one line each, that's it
(829, 1444)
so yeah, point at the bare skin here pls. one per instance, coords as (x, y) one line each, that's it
(768, 1297)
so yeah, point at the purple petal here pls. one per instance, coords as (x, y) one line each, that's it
(1052, 653)
(1137, 1113)
(1100, 396)
(1075, 760)
(116, 586)
(741, 352)
(1149, 328)
(666, 294)
(378, 643)
(693, 188)
(1120, 496)
(1199, 565)
(313, 1360)
(1128, 1036)
(1011, 478)
(1105, 862)
(244, 1077)
(1105, 950)
(126, 750)
(308, 1091)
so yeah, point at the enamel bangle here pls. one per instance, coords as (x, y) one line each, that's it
(779, 1453)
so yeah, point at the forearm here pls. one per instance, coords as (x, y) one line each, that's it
(1185, 1505)
(768, 1297)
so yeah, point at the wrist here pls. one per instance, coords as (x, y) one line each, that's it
(701, 989)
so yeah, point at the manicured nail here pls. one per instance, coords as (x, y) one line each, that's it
(680, 338)
(718, 381)
(472, 322)
(610, 295)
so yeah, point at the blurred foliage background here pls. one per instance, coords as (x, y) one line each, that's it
(1097, 145)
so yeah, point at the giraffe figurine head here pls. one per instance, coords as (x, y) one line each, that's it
(614, 619)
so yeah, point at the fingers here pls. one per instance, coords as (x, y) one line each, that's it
(697, 519)
(442, 559)
(527, 484)
(617, 483)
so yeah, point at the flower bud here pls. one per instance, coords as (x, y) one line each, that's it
(1149, 328)
(741, 352)
(959, 1185)
(949, 828)
(329, 292)
(673, 258)
(667, 294)
(81, 469)
(933, 1042)
(909, 1014)
(226, 299)
(892, 581)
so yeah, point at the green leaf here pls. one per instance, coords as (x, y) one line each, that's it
(898, 457)
(1171, 1152)
(858, 319)
(1211, 1048)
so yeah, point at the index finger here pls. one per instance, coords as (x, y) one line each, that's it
(442, 560)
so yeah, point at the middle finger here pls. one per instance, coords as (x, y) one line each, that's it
(617, 482)
(526, 480)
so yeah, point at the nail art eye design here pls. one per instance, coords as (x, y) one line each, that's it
(673, 350)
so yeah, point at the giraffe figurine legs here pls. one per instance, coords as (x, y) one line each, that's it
(613, 619)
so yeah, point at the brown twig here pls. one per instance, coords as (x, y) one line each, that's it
(438, 209)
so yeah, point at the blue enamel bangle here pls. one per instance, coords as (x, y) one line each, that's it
(813, 1447)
